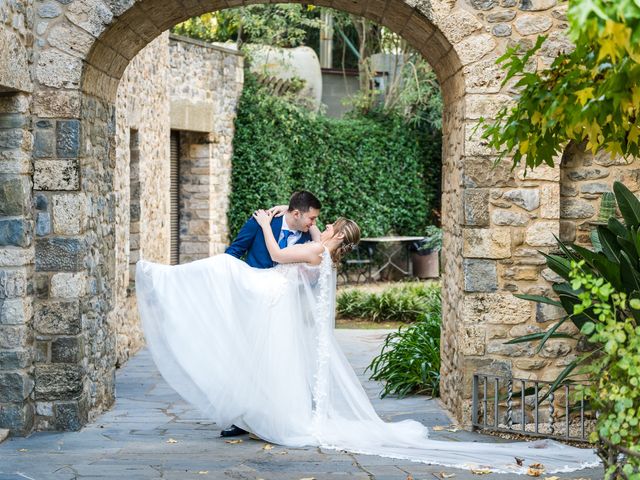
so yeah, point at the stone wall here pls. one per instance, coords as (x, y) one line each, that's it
(142, 135)
(205, 85)
(63, 175)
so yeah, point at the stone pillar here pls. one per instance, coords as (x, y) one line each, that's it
(16, 265)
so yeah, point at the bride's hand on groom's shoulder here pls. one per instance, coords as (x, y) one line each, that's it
(263, 217)
(278, 210)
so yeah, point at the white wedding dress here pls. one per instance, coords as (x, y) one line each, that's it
(255, 348)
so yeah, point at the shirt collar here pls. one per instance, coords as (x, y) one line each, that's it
(285, 226)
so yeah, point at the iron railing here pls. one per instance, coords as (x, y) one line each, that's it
(525, 407)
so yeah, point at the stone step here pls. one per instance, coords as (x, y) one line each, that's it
(4, 433)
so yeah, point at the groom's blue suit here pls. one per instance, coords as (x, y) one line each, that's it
(250, 240)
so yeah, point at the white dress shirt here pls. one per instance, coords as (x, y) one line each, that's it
(295, 235)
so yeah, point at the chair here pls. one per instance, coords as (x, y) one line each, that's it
(357, 263)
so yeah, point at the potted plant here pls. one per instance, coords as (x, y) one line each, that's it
(425, 256)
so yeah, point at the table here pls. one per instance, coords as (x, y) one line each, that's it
(388, 255)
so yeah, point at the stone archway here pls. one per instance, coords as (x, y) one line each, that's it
(82, 49)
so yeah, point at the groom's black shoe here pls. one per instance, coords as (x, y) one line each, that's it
(232, 431)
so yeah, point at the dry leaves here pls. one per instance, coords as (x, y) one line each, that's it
(553, 478)
(444, 475)
(233, 442)
(481, 471)
(23, 449)
(308, 478)
(267, 446)
(203, 472)
(519, 461)
(535, 470)
(171, 440)
(448, 428)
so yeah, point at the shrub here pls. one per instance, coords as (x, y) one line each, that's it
(405, 303)
(410, 358)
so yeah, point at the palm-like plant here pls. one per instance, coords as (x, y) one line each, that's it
(616, 259)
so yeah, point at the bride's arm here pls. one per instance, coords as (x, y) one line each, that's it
(306, 252)
(314, 231)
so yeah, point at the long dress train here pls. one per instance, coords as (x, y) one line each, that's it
(255, 348)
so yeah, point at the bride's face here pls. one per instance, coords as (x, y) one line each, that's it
(328, 233)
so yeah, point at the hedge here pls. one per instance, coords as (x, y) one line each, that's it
(378, 171)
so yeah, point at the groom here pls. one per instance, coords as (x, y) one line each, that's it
(289, 229)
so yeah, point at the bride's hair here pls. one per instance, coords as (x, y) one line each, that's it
(351, 232)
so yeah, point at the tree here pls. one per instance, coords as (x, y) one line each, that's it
(590, 94)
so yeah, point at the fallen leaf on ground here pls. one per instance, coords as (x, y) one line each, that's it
(439, 428)
(535, 470)
(409, 477)
(203, 472)
(233, 441)
(444, 475)
(280, 453)
(552, 478)
(519, 460)
(254, 437)
(171, 440)
(481, 471)
(23, 449)
(308, 478)
(267, 446)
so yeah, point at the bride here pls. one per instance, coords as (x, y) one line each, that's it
(292, 385)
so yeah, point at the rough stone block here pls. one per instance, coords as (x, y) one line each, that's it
(49, 10)
(532, 24)
(60, 254)
(587, 174)
(58, 381)
(542, 234)
(13, 337)
(70, 416)
(56, 175)
(69, 213)
(43, 224)
(68, 285)
(471, 339)
(12, 120)
(527, 198)
(496, 308)
(17, 417)
(487, 366)
(473, 48)
(14, 196)
(507, 217)
(66, 350)
(58, 70)
(58, 318)
(573, 209)
(57, 103)
(15, 232)
(92, 15)
(487, 243)
(547, 313)
(14, 387)
(68, 138)
(480, 275)
(482, 172)
(14, 359)
(13, 283)
(15, 311)
(537, 5)
(476, 207)
(501, 30)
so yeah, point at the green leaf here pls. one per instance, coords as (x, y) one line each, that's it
(551, 333)
(559, 265)
(628, 204)
(538, 336)
(563, 375)
(538, 299)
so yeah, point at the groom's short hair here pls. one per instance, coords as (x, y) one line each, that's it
(303, 201)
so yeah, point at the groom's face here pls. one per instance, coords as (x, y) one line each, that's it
(305, 220)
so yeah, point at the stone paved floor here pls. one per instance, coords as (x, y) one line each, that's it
(151, 433)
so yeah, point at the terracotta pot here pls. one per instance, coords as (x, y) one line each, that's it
(426, 265)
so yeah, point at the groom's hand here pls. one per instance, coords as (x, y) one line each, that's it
(263, 217)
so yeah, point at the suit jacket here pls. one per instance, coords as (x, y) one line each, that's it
(250, 240)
